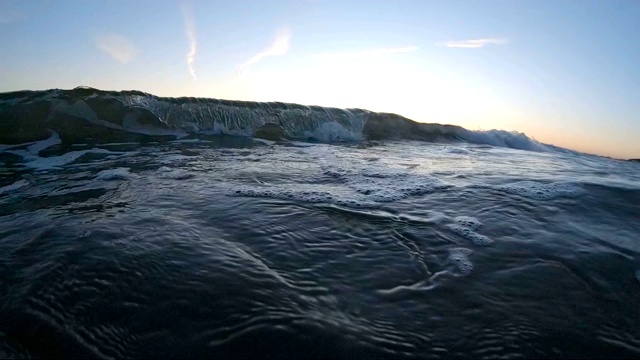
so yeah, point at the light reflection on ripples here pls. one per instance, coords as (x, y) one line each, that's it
(143, 264)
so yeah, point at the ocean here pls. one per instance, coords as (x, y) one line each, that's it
(134, 226)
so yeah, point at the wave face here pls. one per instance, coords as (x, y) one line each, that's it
(87, 114)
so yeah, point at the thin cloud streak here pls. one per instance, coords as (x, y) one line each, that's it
(118, 47)
(190, 27)
(369, 53)
(279, 47)
(475, 43)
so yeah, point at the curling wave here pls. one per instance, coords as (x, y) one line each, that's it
(86, 114)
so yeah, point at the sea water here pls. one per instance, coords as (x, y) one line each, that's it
(223, 246)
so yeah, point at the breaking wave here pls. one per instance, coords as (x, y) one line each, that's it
(90, 115)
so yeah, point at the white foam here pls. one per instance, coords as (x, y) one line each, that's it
(312, 196)
(52, 162)
(38, 146)
(459, 257)
(466, 226)
(5, 147)
(541, 191)
(13, 187)
(356, 184)
(176, 174)
(332, 132)
(33, 148)
(477, 239)
(502, 138)
(382, 184)
(114, 174)
(389, 193)
(468, 222)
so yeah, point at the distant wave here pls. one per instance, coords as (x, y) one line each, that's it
(85, 114)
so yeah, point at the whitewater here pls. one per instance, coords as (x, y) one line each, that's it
(136, 226)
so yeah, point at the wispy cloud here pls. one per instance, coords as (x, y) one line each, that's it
(279, 47)
(369, 53)
(118, 47)
(190, 26)
(475, 43)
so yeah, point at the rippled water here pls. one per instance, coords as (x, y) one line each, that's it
(379, 250)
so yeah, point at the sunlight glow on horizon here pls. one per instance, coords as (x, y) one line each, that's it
(519, 66)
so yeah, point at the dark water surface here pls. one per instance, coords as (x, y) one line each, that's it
(234, 249)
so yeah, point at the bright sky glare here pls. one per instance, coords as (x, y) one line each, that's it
(564, 72)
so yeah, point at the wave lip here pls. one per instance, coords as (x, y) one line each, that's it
(502, 138)
(111, 116)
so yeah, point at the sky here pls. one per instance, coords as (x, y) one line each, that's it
(565, 72)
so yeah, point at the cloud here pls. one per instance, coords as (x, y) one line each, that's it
(279, 47)
(118, 47)
(475, 43)
(369, 53)
(190, 26)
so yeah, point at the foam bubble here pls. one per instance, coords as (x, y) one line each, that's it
(477, 239)
(176, 174)
(52, 162)
(466, 226)
(541, 191)
(384, 192)
(13, 187)
(468, 222)
(382, 184)
(304, 196)
(333, 132)
(459, 257)
(114, 174)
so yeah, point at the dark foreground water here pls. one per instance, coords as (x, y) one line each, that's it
(236, 249)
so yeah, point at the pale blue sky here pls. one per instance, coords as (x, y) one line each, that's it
(564, 72)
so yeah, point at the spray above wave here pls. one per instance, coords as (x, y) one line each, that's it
(85, 114)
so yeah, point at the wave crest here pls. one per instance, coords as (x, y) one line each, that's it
(105, 116)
